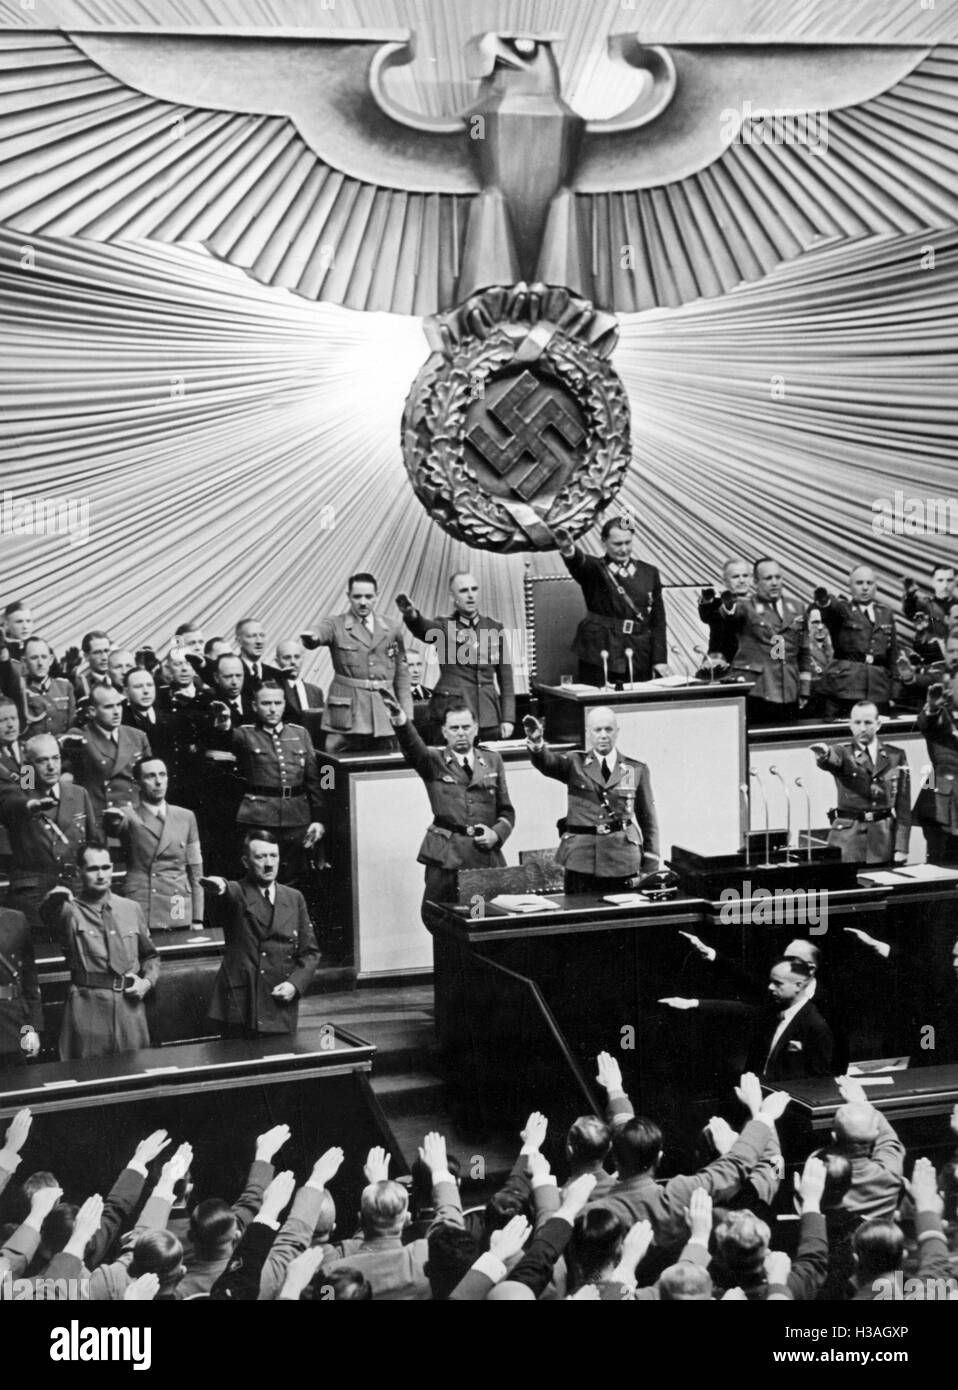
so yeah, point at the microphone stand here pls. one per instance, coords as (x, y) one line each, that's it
(628, 657)
(683, 662)
(768, 864)
(773, 772)
(744, 801)
(700, 651)
(808, 818)
(605, 668)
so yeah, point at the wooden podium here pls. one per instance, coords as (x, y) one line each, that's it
(692, 737)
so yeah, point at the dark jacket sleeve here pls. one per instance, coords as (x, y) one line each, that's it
(318, 808)
(307, 957)
(819, 1049)
(505, 811)
(120, 1202)
(539, 1260)
(507, 691)
(557, 765)
(810, 1265)
(415, 752)
(240, 1280)
(645, 814)
(657, 626)
(250, 1199)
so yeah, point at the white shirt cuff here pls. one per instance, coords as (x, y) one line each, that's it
(9, 1161)
(491, 1266)
(544, 1180)
(136, 1167)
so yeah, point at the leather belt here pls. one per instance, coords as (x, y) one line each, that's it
(580, 830)
(10, 992)
(867, 816)
(360, 682)
(444, 823)
(626, 626)
(98, 979)
(283, 793)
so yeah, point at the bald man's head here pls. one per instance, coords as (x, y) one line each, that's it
(601, 730)
(856, 1127)
(863, 584)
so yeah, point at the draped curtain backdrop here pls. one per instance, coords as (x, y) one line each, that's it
(238, 447)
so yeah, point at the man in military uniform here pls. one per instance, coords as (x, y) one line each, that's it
(737, 579)
(276, 763)
(916, 676)
(367, 655)
(21, 1014)
(103, 753)
(47, 823)
(936, 809)
(929, 612)
(472, 814)
(475, 668)
(164, 861)
(773, 648)
(96, 647)
(625, 609)
(872, 822)
(865, 643)
(821, 653)
(610, 833)
(113, 963)
(270, 952)
(51, 702)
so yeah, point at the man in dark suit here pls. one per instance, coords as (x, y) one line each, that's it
(421, 696)
(623, 597)
(610, 833)
(475, 662)
(11, 749)
(47, 825)
(21, 1015)
(96, 647)
(271, 953)
(865, 642)
(872, 822)
(103, 754)
(472, 814)
(251, 640)
(788, 1038)
(17, 627)
(773, 648)
(301, 696)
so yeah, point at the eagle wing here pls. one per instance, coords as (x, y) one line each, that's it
(672, 210)
(274, 154)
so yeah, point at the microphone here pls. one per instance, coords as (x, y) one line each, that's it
(628, 657)
(743, 793)
(683, 661)
(808, 817)
(927, 779)
(700, 651)
(605, 668)
(761, 786)
(774, 772)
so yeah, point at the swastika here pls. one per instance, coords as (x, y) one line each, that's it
(531, 425)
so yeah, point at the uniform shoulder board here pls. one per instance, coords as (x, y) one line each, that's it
(247, 726)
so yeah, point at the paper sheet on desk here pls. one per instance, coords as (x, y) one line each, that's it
(871, 1080)
(626, 899)
(523, 902)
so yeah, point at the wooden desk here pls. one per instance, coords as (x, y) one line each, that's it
(524, 1003)
(88, 1115)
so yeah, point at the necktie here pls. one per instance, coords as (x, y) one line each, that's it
(606, 771)
(256, 671)
(268, 896)
(467, 767)
(369, 625)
